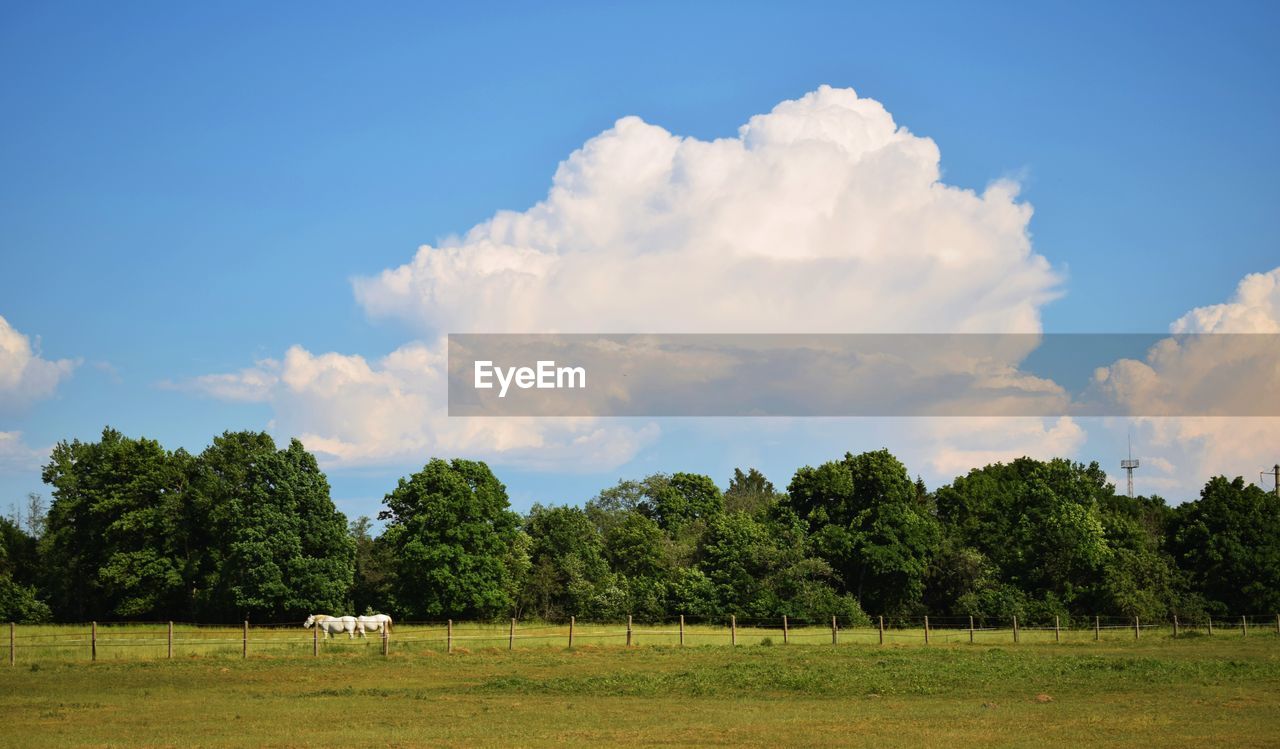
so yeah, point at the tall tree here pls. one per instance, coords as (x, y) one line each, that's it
(1228, 541)
(1139, 577)
(110, 543)
(274, 546)
(750, 492)
(452, 536)
(567, 561)
(244, 530)
(1038, 524)
(869, 523)
(684, 497)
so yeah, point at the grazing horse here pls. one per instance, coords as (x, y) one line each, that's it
(331, 625)
(374, 623)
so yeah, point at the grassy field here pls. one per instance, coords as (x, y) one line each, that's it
(1194, 691)
(134, 641)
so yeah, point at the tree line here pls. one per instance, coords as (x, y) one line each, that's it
(247, 530)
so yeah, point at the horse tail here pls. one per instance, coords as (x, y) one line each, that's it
(389, 627)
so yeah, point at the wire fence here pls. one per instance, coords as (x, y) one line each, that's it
(168, 640)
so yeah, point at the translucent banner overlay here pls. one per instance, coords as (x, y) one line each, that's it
(864, 375)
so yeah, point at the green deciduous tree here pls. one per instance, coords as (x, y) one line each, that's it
(1228, 541)
(19, 597)
(868, 520)
(112, 542)
(685, 497)
(278, 549)
(1038, 525)
(567, 562)
(370, 591)
(243, 530)
(452, 535)
(750, 492)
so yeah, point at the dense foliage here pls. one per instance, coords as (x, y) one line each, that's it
(248, 530)
(243, 530)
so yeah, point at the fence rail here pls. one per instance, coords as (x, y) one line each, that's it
(167, 640)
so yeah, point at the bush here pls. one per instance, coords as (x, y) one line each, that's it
(818, 602)
(18, 603)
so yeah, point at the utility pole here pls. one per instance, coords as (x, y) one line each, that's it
(1275, 477)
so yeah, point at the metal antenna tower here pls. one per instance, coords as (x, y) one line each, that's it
(1129, 465)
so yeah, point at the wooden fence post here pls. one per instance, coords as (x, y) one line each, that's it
(785, 633)
(926, 630)
(571, 623)
(1278, 624)
(93, 641)
(733, 629)
(881, 630)
(833, 629)
(1097, 628)
(1211, 624)
(1175, 625)
(386, 642)
(511, 635)
(1244, 627)
(1015, 629)
(170, 654)
(315, 641)
(682, 630)
(971, 630)
(13, 645)
(244, 643)
(1057, 631)
(628, 630)
(1136, 628)
(448, 637)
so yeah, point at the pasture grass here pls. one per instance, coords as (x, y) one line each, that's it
(1196, 690)
(148, 641)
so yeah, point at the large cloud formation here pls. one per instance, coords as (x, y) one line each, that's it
(822, 215)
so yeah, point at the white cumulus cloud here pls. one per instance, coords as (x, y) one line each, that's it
(1255, 308)
(25, 376)
(355, 412)
(822, 215)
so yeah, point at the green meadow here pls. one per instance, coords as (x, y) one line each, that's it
(1196, 690)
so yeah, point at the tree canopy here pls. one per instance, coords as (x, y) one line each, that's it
(241, 531)
(246, 529)
(454, 542)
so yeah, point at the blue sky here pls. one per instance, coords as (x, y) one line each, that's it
(188, 190)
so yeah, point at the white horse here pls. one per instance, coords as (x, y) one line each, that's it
(374, 623)
(331, 625)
